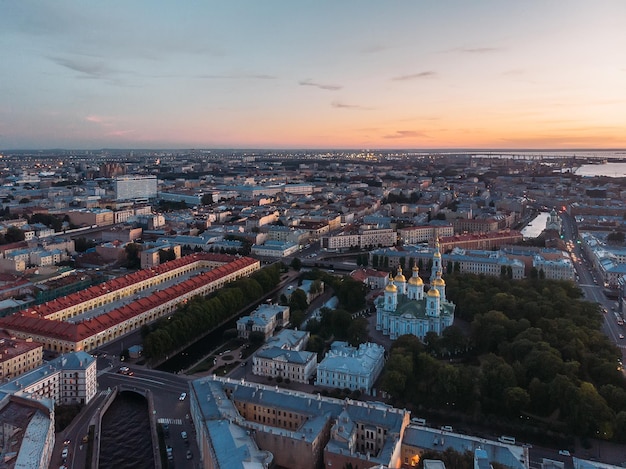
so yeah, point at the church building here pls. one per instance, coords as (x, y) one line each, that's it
(406, 308)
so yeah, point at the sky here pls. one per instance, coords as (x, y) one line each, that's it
(332, 74)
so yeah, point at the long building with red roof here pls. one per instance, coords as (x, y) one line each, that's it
(57, 325)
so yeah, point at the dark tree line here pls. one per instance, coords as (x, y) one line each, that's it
(202, 314)
(535, 353)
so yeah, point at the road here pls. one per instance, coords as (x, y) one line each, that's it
(591, 283)
(166, 389)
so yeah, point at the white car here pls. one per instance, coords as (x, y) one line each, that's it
(65, 453)
(564, 452)
(182, 396)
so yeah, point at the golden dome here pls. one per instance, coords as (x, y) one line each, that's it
(438, 282)
(400, 277)
(416, 280)
(391, 288)
(433, 292)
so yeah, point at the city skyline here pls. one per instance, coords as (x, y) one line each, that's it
(313, 75)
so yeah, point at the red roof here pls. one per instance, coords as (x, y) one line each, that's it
(34, 320)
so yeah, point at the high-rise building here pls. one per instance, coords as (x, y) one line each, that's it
(139, 188)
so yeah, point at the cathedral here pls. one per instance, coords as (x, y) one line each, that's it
(406, 308)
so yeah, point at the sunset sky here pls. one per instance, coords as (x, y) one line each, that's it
(313, 74)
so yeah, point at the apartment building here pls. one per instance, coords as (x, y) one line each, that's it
(17, 356)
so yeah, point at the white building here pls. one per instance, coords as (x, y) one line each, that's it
(283, 355)
(406, 308)
(348, 367)
(422, 234)
(135, 187)
(274, 249)
(264, 319)
(69, 379)
(296, 365)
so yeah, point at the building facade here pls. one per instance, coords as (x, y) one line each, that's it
(135, 187)
(347, 367)
(17, 356)
(68, 324)
(406, 308)
(265, 319)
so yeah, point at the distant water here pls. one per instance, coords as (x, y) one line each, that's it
(616, 170)
(536, 226)
(125, 439)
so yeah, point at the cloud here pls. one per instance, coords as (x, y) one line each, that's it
(474, 50)
(86, 67)
(478, 50)
(104, 121)
(120, 133)
(374, 48)
(416, 76)
(406, 134)
(319, 85)
(239, 76)
(340, 105)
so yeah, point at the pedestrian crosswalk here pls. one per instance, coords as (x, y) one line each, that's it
(170, 421)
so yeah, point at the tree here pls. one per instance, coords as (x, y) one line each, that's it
(256, 337)
(82, 244)
(298, 301)
(296, 264)
(132, 255)
(166, 255)
(14, 235)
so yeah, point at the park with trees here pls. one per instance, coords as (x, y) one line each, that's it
(201, 315)
(532, 360)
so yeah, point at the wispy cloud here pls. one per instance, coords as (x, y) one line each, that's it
(238, 76)
(473, 50)
(416, 76)
(340, 105)
(120, 133)
(374, 49)
(104, 121)
(406, 134)
(321, 86)
(87, 68)
(478, 50)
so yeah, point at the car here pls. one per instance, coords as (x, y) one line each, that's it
(189, 454)
(65, 453)
(182, 396)
(564, 452)
(446, 428)
(85, 439)
(183, 435)
(126, 371)
(621, 336)
(170, 453)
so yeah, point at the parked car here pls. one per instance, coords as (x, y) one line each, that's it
(182, 396)
(189, 454)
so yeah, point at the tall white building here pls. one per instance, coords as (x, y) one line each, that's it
(135, 187)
